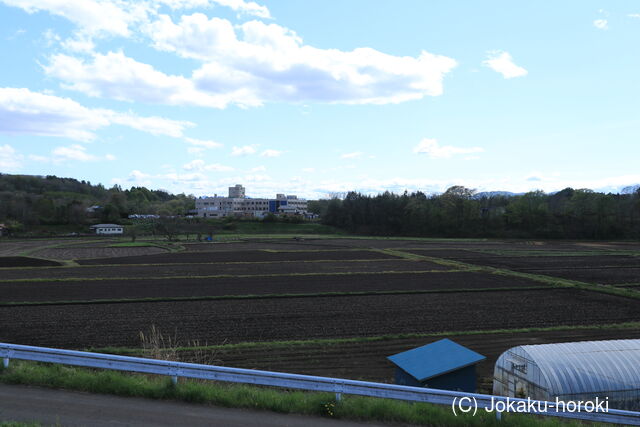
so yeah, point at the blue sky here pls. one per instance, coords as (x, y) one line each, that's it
(321, 97)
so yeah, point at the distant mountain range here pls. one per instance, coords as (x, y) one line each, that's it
(488, 194)
(629, 189)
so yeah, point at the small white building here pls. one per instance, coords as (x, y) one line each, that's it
(107, 229)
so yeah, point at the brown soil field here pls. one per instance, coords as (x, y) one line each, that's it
(273, 267)
(22, 261)
(245, 256)
(168, 288)
(16, 247)
(367, 361)
(229, 321)
(75, 252)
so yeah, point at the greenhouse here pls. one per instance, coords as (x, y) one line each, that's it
(572, 371)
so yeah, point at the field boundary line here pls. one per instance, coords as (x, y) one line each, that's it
(226, 276)
(264, 296)
(74, 264)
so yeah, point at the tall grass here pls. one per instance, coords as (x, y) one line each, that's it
(253, 397)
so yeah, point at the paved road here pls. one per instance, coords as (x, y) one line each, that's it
(69, 408)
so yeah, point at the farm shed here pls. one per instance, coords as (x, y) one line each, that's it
(107, 229)
(572, 371)
(442, 364)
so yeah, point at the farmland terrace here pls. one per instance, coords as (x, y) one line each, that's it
(323, 306)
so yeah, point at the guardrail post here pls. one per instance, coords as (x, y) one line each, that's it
(174, 380)
(498, 415)
(338, 397)
(5, 362)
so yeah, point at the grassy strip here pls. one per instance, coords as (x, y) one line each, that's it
(254, 237)
(224, 276)
(358, 340)
(17, 424)
(71, 263)
(171, 247)
(550, 280)
(133, 245)
(255, 398)
(264, 296)
(626, 284)
(534, 253)
(560, 282)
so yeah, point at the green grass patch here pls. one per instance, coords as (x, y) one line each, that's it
(253, 397)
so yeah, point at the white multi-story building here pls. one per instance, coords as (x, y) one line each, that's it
(238, 204)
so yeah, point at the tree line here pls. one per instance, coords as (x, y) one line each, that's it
(460, 212)
(48, 200)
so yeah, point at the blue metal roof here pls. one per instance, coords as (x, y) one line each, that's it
(588, 366)
(437, 358)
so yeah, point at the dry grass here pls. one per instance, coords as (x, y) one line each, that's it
(156, 345)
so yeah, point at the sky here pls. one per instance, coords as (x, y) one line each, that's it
(317, 98)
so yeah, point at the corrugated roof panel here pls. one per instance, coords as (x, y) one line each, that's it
(588, 366)
(435, 359)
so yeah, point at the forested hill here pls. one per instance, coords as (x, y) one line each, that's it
(33, 200)
(568, 214)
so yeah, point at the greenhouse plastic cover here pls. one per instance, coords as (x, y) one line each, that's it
(589, 366)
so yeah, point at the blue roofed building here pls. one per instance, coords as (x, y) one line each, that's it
(442, 364)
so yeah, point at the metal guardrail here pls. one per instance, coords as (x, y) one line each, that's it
(458, 401)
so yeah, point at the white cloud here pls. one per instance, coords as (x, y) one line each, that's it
(41, 159)
(245, 7)
(601, 24)
(433, 150)
(262, 63)
(240, 6)
(135, 179)
(187, 177)
(243, 151)
(72, 152)
(204, 144)
(10, 160)
(634, 15)
(308, 170)
(259, 169)
(354, 155)
(25, 112)
(200, 165)
(152, 125)
(91, 16)
(502, 62)
(110, 157)
(271, 153)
